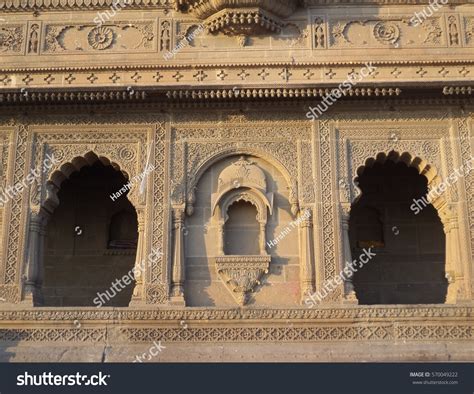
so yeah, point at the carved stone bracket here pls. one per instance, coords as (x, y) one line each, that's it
(241, 274)
(241, 18)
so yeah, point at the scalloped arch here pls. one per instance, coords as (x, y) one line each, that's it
(66, 169)
(422, 166)
(77, 163)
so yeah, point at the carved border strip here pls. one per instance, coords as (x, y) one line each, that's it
(157, 287)
(14, 217)
(305, 333)
(79, 5)
(197, 314)
(467, 151)
(368, 332)
(328, 243)
(5, 149)
(172, 76)
(53, 335)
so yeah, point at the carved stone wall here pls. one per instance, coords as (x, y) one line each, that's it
(159, 83)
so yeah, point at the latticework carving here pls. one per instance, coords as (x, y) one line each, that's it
(14, 214)
(467, 150)
(371, 332)
(327, 198)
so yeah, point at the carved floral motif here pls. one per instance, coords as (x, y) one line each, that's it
(387, 32)
(87, 37)
(400, 33)
(11, 38)
(101, 38)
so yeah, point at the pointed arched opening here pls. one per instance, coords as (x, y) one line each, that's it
(91, 240)
(409, 266)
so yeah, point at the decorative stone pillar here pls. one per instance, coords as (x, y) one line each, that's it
(349, 292)
(262, 240)
(138, 296)
(33, 277)
(178, 268)
(456, 291)
(307, 254)
(220, 238)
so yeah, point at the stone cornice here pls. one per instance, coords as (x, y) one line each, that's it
(217, 94)
(195, 66)
(458, 90)
(79, 5)
(84, 5)
(152, 98)
(85, 96)
(240, 77)
(309, 3)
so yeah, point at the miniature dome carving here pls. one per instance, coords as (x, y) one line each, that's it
(242, 174)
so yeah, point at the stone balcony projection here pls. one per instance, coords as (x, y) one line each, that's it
(234, 17)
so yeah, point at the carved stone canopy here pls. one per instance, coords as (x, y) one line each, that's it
(241, 17)
(242, 174)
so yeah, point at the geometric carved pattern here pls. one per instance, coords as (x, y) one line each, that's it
(334, 314)
(14, 250)
(466, 154)
(54, 335)
(328, 241)
(350, 332)
(158, 292)
(314, 333)
(430, 331)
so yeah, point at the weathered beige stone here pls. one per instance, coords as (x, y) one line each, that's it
(253, 202)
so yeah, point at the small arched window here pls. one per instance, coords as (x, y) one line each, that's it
(241, 230)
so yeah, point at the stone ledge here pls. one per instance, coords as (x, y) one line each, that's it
(18, 313)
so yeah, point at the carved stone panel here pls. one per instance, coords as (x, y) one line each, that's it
(12, 39)
(129, 36)
(386, 33)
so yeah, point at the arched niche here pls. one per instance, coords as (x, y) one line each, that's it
(207, 163)
(242, 180)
